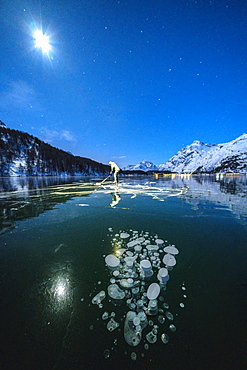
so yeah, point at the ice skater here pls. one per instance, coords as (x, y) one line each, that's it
(114, 169)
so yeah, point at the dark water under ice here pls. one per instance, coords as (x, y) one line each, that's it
(54, 234)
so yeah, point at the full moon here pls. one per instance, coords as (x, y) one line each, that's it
(42, 41)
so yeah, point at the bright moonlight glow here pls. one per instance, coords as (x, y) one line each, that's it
(42, 41)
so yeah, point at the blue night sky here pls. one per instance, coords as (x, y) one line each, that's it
(125, 80)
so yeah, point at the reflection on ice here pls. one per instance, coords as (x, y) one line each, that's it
(28, 197)
(58, 288)
(147, 189)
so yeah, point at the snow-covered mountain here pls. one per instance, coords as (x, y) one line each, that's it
(142, 166)
(200, 157)
(204, 158)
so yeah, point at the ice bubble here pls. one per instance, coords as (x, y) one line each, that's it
(161, 319)
(159, 241)
(135, 290)
(140, 240)
(152, 248)
(138, 248)
(131, 335)
(153, 291)
(146, 265)
(132, 243)
(132, 306)
(171, 249)
(129, 303)
(124, 235)
(185, 296)
(169, 260)
(136, 321)
(163, 276)
(143, 319)
(106, 353)
(129, 253)
(164, 338)
(112, 261)
(146, 346)
(105, 315)
(116, 273)
(181, 305)
(183, 288)
(166, 305)
(112, 325)
(169, 315)
(120, 251)
(139, 303)
(152, 307)
(99, 297)
(112, 280)
(127, 283)
(110, 229)
(129, 261)
(172, 327)
(151, 337)
(155, 329)
(147, 242)
(115, 292)
(131, 315)
(133, 356)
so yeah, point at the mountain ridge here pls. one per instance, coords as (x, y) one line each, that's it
(199, 157)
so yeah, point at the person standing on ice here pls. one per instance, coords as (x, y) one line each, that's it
(114, 169)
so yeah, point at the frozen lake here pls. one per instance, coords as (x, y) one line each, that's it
(55, 235)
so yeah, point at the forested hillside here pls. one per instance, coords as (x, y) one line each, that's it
(24, 154)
